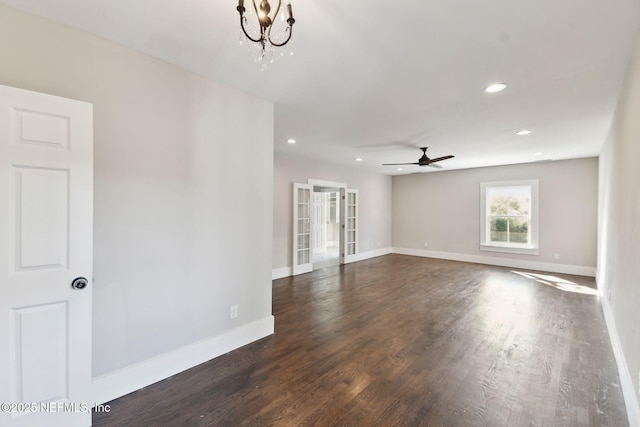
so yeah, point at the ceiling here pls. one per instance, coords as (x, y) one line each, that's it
(375, 79)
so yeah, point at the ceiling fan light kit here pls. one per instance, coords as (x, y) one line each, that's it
(257, 24)
(424, 160)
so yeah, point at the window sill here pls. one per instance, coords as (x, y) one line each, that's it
(526, 250)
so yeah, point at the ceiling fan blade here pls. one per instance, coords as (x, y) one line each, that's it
(399, 164)
(423, 161)
(442, 158)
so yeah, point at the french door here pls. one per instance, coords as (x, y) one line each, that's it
(348, 225)
(302, 210)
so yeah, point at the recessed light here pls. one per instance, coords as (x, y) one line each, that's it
(291, 141)
(358, 159)
(539, 153)
(523, 132)
(496, 87)
(399, 169)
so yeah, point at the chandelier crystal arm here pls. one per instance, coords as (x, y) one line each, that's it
(241, 11)
(289, 29)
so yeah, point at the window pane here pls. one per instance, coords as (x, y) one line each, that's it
(518, 230)
(509, 211)
(499, 230)
(509, 201)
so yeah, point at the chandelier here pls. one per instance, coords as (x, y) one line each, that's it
(259, 30)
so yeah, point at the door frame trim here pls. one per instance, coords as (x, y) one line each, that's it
(323, 183)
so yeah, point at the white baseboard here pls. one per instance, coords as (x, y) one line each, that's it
(503, 262)
(117, 384)
(361, 256)
(279, 273)
(626, 379)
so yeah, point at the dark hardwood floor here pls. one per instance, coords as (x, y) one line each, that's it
(400, 340)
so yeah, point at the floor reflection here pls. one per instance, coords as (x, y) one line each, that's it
(558, 283)
(328, 259)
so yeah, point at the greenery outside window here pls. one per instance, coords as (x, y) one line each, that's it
(509, 216)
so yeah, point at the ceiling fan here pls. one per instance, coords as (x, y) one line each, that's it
(423, 161)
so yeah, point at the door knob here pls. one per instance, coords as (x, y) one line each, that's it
(79, 283)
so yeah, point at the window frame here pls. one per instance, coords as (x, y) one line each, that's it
(516, 248)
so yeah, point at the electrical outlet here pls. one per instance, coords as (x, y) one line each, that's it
(556, 256)
(609, 295)
(426, 245)
(233, 312)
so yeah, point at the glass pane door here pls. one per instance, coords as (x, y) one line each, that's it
(349, 229)
(302, 220)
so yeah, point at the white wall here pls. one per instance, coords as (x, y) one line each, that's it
(374, 192)
(619, 234)
(177, 237)
(443, 209)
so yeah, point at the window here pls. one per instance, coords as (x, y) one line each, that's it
(509, 216)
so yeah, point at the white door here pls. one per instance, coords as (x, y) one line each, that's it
(46, 222)
(319, 224)
(302, 259)
(348, 225)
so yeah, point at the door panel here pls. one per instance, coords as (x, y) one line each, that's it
(46, 223)
(37, 127)
(302, 213)
(319, 224)
(349, 227)
(38, 331)
(42, 217)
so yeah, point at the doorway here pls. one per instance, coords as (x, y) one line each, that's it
(326, 227)
(304, 212)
